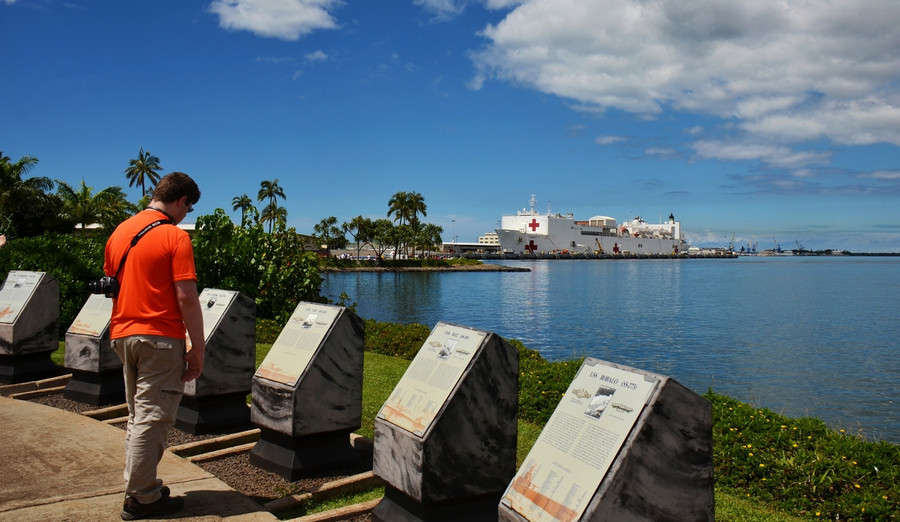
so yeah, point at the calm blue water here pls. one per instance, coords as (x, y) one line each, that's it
(803, 336)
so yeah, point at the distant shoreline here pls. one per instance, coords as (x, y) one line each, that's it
(457, 268)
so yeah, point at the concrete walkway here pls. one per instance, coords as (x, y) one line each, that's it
(57, 465)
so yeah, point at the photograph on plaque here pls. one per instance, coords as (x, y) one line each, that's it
(297, 343)
(94, 316)
(572, 454)
(16, 291)
(432, 375)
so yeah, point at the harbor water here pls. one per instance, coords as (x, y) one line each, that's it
(803, 336)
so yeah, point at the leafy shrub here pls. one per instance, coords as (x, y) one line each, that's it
(397, 340)
(73, 261)
(272, 269)
(267, 330)
(542, 384)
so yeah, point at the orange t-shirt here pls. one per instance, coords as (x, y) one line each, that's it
(147, 304)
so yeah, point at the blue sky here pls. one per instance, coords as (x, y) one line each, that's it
(769, 120)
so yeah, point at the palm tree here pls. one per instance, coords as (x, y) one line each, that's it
(269, 190)
(143, 169)
(26, 207)
(405, 207)
(397, 206)
(11, 177)
(415, 203)
(244, 203)
(273, 214)
(82, 206)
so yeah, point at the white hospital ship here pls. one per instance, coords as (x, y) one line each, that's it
(531, 232)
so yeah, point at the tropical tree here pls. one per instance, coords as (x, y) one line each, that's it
(274, 215)
(115, 208)
(329, 234)
(244, 203)
(360, 229)
(415, 204)
(26, 209)
(383, 235)
(429, 237)
(143, 169)
(397, 207)
(107, 208)
(405, 207)
(270, 191)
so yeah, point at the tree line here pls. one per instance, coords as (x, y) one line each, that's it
(29, 207)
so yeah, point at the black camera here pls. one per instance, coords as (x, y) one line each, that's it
(107, 285)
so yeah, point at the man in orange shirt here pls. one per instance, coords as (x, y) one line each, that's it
(157, 303)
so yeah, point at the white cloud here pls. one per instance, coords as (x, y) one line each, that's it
(887, 175)
(608, 140)
(317, 56)
(284, 19)
(781, 70)
(442, 9)
(777, 155)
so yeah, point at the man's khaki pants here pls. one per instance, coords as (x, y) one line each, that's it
(152, 367)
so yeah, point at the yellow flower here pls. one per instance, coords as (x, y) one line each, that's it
(762, 465)
(795, 444)
(856, 486)
(818, 514)
(751, 454)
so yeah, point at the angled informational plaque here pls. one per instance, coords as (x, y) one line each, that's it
(297, 343)
(445, 439)
(578, 443)
(93, 319)
(96, 369)
(623, 444)
(29, 326)
(431, 376)
(16, 291)
(217, 400)
(307, 393)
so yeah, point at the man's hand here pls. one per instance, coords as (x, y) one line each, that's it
(193, 365)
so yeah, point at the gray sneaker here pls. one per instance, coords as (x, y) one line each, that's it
(134, 510)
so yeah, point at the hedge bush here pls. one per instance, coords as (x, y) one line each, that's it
(73, 261)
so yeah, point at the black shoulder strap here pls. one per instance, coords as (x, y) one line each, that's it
(138, 237)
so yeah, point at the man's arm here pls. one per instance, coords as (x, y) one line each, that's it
(192, 315)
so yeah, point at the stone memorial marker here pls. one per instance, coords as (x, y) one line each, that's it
(623, 444)
(307, 393)
(29, 326)
(96, 369)
(445, 440)
(217, 401)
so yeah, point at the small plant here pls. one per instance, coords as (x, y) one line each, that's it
(803, 466)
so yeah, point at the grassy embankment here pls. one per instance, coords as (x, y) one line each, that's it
(767, 467)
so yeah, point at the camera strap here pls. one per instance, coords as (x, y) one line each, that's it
(138, 237)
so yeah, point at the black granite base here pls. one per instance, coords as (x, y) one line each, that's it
(398, 507)
(99, 389)
(29, 367)
(214, 414)
(293, 458)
